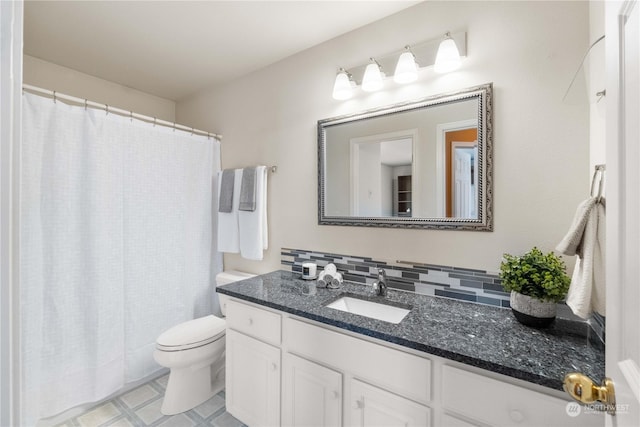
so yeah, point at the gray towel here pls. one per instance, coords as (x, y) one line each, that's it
(226, 191)
(248, 190)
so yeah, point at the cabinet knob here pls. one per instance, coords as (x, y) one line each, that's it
(516, 416)
(336, 394)
(360, 404)
(274, 366)
(250, 321)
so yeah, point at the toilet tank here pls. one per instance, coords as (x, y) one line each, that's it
(225, 278)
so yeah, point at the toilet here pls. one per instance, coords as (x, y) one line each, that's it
(194, 352)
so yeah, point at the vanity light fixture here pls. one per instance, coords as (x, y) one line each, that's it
(372, 79)
(448, 57)
(343, 86)
(445, 53)
(406, 68)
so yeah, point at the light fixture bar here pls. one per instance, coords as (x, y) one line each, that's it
(425, 53)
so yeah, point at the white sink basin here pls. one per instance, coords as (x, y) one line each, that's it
(374, 310)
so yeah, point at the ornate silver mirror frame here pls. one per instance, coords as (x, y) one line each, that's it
(481, 219)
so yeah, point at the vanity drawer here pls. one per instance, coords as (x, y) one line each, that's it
(498, 403)
(397, 371)
(253, 321)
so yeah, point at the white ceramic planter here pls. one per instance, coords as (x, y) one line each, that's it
(532, 311)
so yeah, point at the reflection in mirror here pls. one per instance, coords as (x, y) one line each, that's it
(423, 164)
(380, 166)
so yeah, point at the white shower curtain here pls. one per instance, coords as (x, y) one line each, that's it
(116, 246)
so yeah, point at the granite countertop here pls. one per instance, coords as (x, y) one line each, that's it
(483, 336)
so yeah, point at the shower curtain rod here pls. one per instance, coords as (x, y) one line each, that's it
(108, 109)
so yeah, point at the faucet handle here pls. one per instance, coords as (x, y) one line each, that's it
(382, 275)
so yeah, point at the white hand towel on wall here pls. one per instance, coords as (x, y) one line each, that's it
(228, 235)
(570, 244)
(253, 224)
(587, 293)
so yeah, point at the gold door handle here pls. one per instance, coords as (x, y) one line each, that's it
(583, 389)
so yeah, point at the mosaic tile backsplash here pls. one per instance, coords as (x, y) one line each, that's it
(465, 284)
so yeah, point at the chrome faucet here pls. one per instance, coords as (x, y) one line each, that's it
(380, 285)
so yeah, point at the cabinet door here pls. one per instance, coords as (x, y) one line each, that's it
(312, 394)
(252, 380)
(450, 421)
(371, 406)
(497, 403)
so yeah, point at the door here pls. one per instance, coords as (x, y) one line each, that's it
(311, 393)
(252, 380)
(371, 406)
(623, 209)
(462, 184)
(11, 39)
(452, 139)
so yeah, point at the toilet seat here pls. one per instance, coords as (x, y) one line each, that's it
(192, 334)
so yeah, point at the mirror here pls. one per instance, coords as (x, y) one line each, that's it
(421, 164)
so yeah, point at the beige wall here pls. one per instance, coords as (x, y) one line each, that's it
(50, 76)
(529, 50)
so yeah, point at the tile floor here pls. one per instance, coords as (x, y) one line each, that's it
(141, 407)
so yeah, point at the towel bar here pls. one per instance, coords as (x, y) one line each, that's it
(599, 170)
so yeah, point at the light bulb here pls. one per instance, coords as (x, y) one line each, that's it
(448, 57)
(372, 79)
(342, 88)
(406, 68)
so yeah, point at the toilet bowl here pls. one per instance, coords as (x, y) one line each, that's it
(194, 352)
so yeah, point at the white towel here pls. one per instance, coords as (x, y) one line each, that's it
(587, 293)
(228, 231)
(253, 224)
(570, 244)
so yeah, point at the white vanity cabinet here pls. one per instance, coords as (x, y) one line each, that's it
(311, 393)
(252, 370)
(331, 377)
(372, 406)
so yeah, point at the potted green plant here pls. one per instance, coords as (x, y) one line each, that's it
(537, 282)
